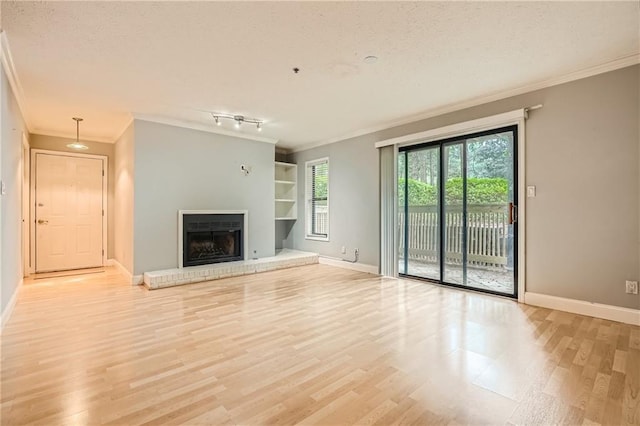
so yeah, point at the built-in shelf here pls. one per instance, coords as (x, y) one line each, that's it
(286, 176)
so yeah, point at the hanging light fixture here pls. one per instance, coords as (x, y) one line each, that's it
(239, 120)
(77, 144)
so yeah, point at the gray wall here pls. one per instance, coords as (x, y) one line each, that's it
(13, 127)
(177, 168)
(582, 230)
(353, 200)
(124, 193)
(54, 143)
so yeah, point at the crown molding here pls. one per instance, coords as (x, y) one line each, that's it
(124, 128)
(65, 135)
(202, 127)
(619, 63)
(12, 76)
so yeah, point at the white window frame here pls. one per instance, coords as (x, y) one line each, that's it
(307, 197)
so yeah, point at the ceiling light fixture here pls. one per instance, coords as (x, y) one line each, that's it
(238, 120)
(370, 59)
(77, 144)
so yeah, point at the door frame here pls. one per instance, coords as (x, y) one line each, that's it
(462, 141)
(517, 117)
(105, 177)
(25, 162)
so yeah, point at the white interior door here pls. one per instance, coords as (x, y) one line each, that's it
(68, 202)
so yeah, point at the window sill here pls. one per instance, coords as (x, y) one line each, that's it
(316, 238)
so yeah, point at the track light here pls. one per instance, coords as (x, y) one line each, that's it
(238, 120)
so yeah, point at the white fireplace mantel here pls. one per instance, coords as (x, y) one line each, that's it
(245, 230)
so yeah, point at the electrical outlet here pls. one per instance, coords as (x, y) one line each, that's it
(632, 287)
(343, 250)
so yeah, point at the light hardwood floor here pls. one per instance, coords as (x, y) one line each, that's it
(311, 345)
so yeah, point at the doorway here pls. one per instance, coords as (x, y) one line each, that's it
(457, 212)
(69, 203)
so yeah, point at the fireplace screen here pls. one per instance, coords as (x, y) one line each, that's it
(212, 238)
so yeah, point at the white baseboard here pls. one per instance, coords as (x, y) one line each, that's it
(133, 279)
(598, 310)
(362, 267)
(8, 310)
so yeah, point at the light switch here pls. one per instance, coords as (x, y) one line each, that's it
(531, 191)
(3, 188)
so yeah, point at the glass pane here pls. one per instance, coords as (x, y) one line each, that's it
(490, 189)
(423, 213)
(453, 214)
(320, 217)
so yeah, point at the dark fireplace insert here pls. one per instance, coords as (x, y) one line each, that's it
(212, 238)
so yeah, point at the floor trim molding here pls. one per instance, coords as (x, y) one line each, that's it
(133, 279)
(8, 310)
(362, 267)
(598, 310)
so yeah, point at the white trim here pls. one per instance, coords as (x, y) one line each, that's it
(472, 126)
(137, 280)
(202, 127)
(124, 129)
(245, 230)
(12, 76)
(124, 271)
(105, 206)
(613, 65)
(307, 200)
(72, 135)
(522, 208)
(598, 310)
(8, 310)
(362, 267)
(316, 238)
(25, 191)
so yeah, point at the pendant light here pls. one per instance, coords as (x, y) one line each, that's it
(77, 144)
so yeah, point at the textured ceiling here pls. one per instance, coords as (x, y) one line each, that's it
(105, 61)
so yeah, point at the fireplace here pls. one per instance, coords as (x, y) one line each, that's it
(211, 237)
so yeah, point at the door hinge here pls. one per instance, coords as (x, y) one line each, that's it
(102, 212)
(103, 252)
(102, 172)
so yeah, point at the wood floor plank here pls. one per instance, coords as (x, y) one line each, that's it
(309, 345)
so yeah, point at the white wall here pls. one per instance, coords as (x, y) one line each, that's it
(13, 128)
(177, 168)
(582, 153)
(124, 198)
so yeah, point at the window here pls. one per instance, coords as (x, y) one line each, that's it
(317, 199)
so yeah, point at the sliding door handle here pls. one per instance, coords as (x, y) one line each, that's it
(513, 213)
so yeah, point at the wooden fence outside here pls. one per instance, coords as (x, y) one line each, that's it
(487, 228)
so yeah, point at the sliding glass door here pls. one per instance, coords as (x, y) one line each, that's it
(457, 211)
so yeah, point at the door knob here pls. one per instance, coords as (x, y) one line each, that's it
(42, 222)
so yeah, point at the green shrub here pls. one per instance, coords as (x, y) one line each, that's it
(479, 191)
